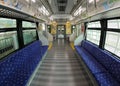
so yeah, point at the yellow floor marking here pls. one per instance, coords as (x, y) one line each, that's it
(72, 45)
(50, 45)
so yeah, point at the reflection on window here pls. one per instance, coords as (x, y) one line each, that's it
(113, 42)
(93, 36)
(8, 43)
(29, 36)
(94, 24)
(7, 23)
(28, 24)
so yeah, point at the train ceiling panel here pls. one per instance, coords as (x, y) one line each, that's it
(61, 5)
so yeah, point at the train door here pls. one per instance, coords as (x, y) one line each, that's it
(61, 32)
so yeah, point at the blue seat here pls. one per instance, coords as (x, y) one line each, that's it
(105, 79)
(16, 69)
(101, 63)
(92, 64)
(44, 49)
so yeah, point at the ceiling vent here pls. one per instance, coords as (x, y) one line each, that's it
(61, 5)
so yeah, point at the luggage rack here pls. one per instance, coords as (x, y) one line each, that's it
(10, 12)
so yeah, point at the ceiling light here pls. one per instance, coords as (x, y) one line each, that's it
(27, 0)
(33, 1)
(79, 11)
(43, 10)
(91, 1)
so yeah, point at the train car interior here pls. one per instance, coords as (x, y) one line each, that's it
(59, 42)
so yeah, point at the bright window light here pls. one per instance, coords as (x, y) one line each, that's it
(43, 27)
(34, 1)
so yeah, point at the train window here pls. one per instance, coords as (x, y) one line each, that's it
(29, 36)
(28, 24)
(114, 24)
(94, 24)
(93, 36)
(113, 42)
(7, 23)
(8, 43)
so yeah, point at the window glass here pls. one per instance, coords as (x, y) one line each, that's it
(28, 24)
(113, 42)
(94, 24)
(8, 43)
(29, 36)
(114, 24)
(93, 36)
(7, 23)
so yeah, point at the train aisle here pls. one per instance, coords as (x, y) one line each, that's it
(61, 68)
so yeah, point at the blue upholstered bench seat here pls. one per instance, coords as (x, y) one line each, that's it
(104, 66)
(44, 48)
(94, 66)
(105, 79)
(17, 68)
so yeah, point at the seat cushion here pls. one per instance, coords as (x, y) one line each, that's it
(17, 68)
(92, 64)
(107, 60)
(44, 49)
(105, 79)
(114, 69)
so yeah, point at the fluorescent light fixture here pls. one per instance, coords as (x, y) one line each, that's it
(44, 11)
(91, 1)
(79, 11)
(27, 0)
(33, 1)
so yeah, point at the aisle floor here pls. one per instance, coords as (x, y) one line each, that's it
(61, 68)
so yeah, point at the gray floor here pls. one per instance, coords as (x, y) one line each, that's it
(61, 68)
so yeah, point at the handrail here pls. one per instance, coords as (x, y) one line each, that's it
(111, 13)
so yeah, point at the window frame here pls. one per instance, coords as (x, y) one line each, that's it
(2, 30)
(103, 36)
(92, 28)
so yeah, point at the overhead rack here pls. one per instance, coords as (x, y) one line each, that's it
(10, 12)
(109, 14)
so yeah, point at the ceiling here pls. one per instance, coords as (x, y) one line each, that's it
(61, 6)
(62, 9)
(59, 10)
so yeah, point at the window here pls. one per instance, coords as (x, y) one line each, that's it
(29, 36)
(8, 43)
(28, 25)
(113, 42)
(114, 24)
(93, 36)
(7, 23)
(94, 25)
(94, 32)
